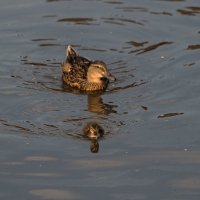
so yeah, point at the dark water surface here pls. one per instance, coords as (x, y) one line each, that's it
(151, 146)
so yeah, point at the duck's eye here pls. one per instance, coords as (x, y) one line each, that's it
(100, 67)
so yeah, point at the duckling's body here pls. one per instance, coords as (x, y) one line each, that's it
(84, 74)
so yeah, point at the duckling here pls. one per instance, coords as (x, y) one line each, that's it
(84, 74)
(93, 131)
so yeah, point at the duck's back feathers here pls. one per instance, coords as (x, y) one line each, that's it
(73, 58)
(74, 68)
(71, 54)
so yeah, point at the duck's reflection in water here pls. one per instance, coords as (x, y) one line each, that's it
(93, 132)
(96, 105)
(95, 102)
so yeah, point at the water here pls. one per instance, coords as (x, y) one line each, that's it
(150, 116)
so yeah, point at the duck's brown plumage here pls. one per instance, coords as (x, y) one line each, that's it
(84, 74)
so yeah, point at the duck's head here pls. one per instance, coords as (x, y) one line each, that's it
(98, 72)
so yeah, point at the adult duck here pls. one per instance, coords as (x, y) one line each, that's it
(84, 74)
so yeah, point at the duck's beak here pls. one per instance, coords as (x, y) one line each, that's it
(110, 77)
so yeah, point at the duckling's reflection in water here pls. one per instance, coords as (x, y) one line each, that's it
(96, 105)
(94, 146)
(93, 132)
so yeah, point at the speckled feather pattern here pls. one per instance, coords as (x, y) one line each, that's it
(75, 71)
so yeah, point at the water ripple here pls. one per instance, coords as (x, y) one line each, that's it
(133, 9)
(190, 10)
(120, 21)
(167, 115)
(78, 20)
(150, 48)
(193, 47)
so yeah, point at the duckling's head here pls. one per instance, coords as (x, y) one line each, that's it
(93, 131)
(98, 72)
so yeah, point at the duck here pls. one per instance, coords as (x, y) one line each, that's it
(93, 131)
(84, 74)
